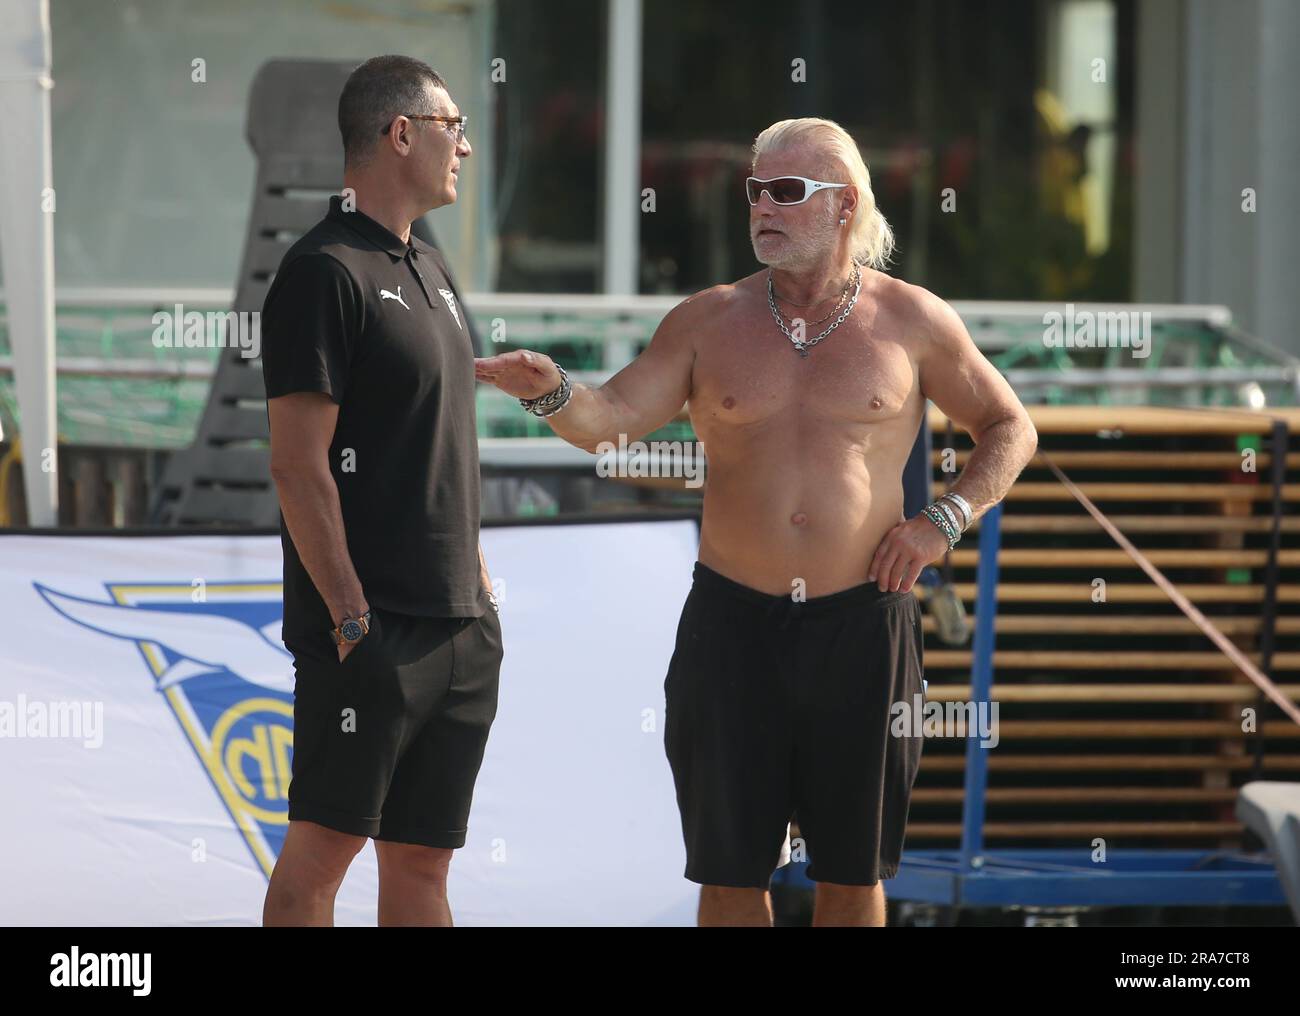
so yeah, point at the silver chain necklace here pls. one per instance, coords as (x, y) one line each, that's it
(804, 346)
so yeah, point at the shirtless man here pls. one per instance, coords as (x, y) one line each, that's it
(800, 629)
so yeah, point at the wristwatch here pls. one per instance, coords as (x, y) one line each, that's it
(353, 629)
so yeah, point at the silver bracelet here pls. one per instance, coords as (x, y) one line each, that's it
(962, 504)
(943, 523)
(552, 402)
(943, 506)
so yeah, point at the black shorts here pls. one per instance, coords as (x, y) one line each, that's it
(388, 743)
(779, 710)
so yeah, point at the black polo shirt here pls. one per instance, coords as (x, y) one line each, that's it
(378, 326)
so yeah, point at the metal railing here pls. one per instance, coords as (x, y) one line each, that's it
(116, 386)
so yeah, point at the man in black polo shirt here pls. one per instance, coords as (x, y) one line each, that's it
(388, 609)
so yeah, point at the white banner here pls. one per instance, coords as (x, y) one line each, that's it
(146, 732)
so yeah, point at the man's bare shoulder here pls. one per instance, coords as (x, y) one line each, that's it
(724, 296)
(921, 314)
(901, 299)
(708, 305)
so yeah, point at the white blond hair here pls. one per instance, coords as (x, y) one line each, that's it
(870, 238)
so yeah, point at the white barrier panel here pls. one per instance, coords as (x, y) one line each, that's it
(146, 732)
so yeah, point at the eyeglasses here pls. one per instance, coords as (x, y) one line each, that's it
(785, 190)
(456, 124)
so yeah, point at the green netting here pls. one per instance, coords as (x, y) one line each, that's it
(164, 412)
(118, 411)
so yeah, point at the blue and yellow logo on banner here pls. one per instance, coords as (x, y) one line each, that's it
(216, 657)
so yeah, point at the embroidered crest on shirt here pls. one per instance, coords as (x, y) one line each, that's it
(449, 298)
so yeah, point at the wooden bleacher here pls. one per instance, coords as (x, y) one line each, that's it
(1119, 719)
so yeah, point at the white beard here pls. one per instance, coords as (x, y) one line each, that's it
(809, 249)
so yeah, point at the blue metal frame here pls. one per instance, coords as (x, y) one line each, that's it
(977, 759)
(972, 876)
(1063, 878)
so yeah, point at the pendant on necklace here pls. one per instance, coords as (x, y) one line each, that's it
(803, 351)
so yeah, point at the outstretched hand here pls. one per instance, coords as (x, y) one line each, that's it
(904, 553)
(521, 373)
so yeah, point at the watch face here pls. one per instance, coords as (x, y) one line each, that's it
(352, 630)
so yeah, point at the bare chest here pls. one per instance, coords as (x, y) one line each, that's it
(748, 372)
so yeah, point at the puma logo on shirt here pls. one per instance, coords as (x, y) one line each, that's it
(386, 295)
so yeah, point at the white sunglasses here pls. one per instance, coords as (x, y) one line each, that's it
(785, 190)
